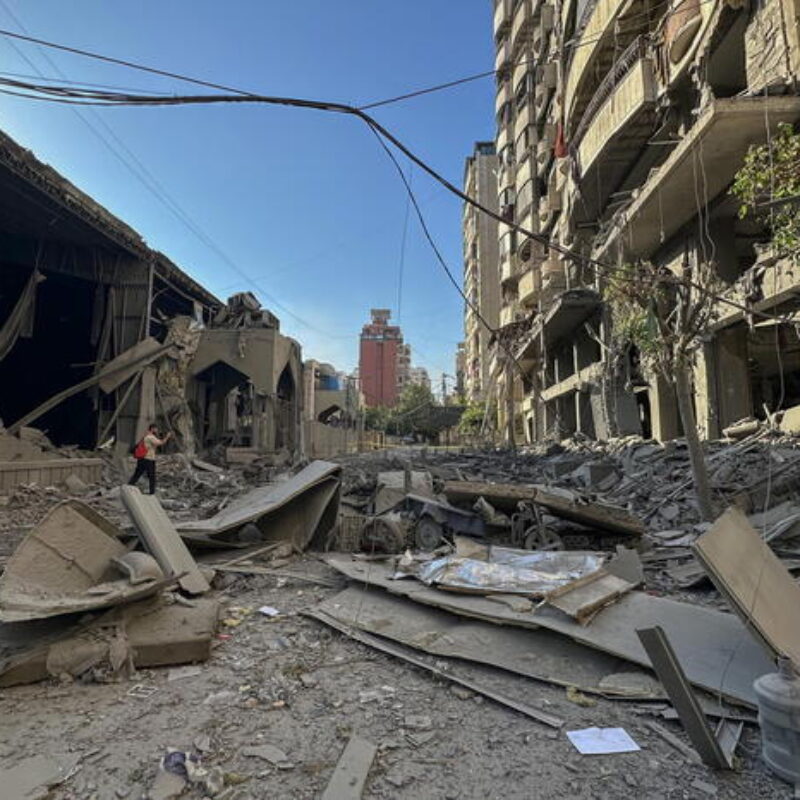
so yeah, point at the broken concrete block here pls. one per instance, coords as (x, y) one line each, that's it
(75, 485)
(162, 540)
(149, 633)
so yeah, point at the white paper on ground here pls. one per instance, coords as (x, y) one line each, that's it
(269, 611)
(598, 741)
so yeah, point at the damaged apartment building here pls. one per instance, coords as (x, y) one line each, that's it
(100, 334)
(620, 129)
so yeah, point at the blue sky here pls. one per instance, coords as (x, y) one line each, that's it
(305, 204)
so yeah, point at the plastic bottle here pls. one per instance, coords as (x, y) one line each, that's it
(779, 716)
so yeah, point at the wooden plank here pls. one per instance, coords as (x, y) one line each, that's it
(162, 540)
(673, 679)
(585, 599)
(713, 647)
(350, 775)
(751, 577)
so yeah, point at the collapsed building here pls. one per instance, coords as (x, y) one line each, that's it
(621, 127)
(78, 289)
(100, 335)
(246, 383)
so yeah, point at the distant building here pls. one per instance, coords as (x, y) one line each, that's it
(418, 376)
(403, 367)
(383, 360)
(481, 275)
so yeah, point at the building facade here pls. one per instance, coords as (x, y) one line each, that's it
(481, 276)
(382, 360)
(620, 128)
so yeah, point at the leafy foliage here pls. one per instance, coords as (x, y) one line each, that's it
(377, 419)
(471, 420)
(772, 172)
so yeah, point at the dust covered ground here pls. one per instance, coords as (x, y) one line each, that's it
(299, 686)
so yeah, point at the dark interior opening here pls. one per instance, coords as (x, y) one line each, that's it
(57, 356)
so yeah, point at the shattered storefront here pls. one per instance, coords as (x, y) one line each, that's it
(79, 289)
(245, 381)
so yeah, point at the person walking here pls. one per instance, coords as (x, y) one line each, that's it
(145, 455)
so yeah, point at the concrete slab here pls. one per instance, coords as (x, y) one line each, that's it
(162, 540)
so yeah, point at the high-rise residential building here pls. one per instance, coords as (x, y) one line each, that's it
(403, 367)
(481, 278)
(620, 129)
(381, 363)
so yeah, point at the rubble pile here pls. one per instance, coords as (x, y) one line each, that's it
(251, 629)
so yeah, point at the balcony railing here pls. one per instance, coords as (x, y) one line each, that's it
(635, 92)
(637, 50)
(598, 18)
(521, 26)
(502, 16)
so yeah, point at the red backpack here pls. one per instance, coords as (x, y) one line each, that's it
(140, 451)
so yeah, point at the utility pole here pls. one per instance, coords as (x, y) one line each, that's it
(444, 389)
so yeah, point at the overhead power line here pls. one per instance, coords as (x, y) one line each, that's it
(67, 94)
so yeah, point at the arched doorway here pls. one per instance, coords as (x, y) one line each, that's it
(286, 411)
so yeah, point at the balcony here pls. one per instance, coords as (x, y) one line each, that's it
(529, 287)
(521, 26)
(613, 132)
(503, 96)
(506, 177)
(720, 137)
(502, 137)
(508, 314)
(526, 170)
(502, 59)
(502, 17)
(508, 268)
(611, 26)
(523, 119)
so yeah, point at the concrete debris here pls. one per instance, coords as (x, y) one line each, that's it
(161, 539)
(380, 652)
(702, 637)
(65, 565)
(33, 778)
(352, 770)
(150, 633)
(300, 509)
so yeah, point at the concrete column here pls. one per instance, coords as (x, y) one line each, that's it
(706, 403)
(732, 376)
(663, 409)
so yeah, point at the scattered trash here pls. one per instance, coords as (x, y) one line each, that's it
(602, 741)
(269, 611)
(579, 698)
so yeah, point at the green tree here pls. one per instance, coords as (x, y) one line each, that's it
(412, 412)
(472, 419)
(771, 174)
(377, 419)
(665, 315)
